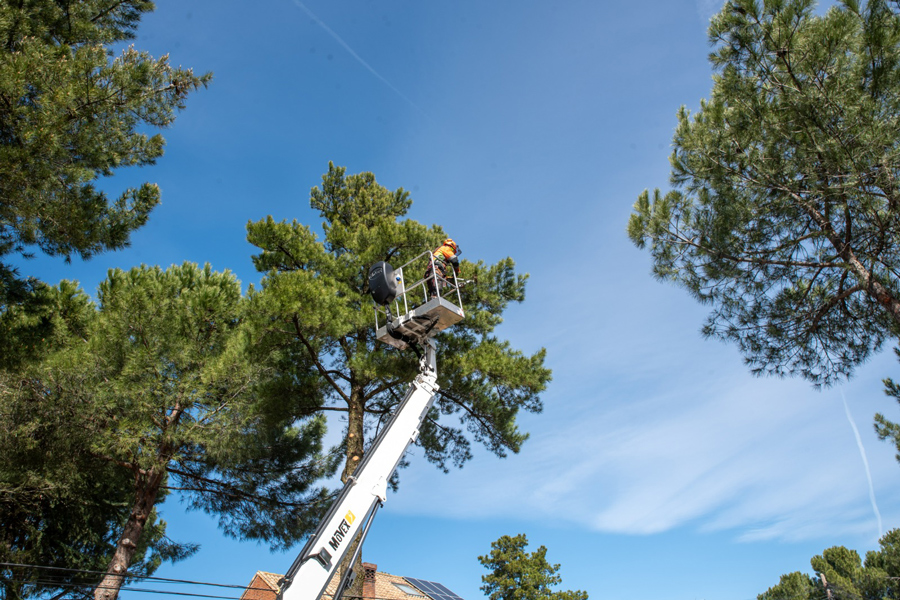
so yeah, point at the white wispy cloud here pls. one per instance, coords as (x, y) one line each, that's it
(865, 461)
(766, 459)
(649, 427)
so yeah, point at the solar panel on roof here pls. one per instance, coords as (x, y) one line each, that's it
(428, 586)
(442, 588)
(434, 590)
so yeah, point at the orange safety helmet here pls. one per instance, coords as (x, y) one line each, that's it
(451, 243)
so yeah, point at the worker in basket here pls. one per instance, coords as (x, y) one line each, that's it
(448, 253)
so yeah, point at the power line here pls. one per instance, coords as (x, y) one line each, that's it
(65, 584)
(124, 589)
(51, 583)
(132, 576)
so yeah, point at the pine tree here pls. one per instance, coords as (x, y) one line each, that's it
(783, 217)
(72, 112)
(59, 504)
(314, 314)
(519, 575)
(841, 575)
(162, 394)
(314, 307)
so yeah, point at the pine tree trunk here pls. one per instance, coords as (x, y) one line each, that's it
(355, 415)
(872, 286)
(146, 491)
(876, 290)
(355, 448)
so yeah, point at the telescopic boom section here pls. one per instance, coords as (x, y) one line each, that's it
(366, 490)
(361, 496)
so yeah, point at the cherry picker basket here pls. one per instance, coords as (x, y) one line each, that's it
(425, 304)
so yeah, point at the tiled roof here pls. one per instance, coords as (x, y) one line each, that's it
(271, 579)
(384, 587)
(264, 586)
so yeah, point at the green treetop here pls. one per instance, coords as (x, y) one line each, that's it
(519, 575)
(314, 310)
(841, 575)
(315, 324)
(70, 113)
(162, 393)
(60, 506)
(784, 213)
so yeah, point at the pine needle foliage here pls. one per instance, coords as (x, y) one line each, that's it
(783, 216)
(73, 111)
(161, 395)
(313, 307)
(61, 506)
(516, 574)
(842, 575)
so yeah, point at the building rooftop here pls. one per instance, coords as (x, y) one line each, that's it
(376, 586)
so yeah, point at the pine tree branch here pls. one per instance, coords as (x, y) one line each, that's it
(482, 423)
(315, 357)
(382, 388)
(103, 13)
(832, 302)
(339, 374)
(224, 489)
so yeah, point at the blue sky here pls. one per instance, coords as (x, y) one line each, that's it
(659, 467)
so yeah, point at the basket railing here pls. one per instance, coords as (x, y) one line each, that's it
(431, 284)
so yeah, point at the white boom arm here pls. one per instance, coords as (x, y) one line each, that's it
(362, 494)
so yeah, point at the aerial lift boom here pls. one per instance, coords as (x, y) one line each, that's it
(351, 514)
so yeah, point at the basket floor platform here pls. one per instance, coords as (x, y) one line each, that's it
(425, 320)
